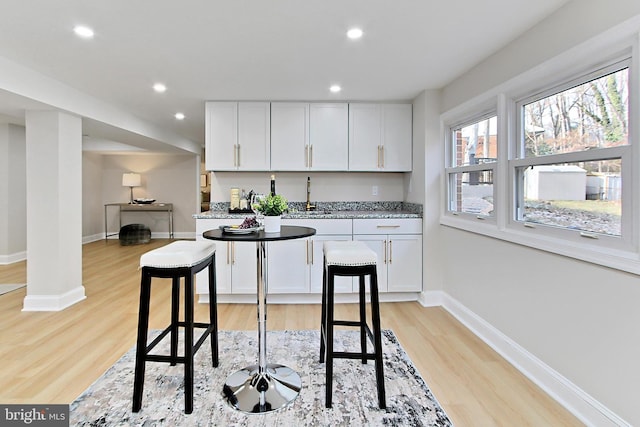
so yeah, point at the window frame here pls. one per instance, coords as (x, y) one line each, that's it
(552, 76)
(451, 169)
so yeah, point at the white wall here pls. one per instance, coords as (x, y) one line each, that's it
(92, 204)
(582, 320)
(13, 204)
(167, 178)
(426, 128)
(325, 186)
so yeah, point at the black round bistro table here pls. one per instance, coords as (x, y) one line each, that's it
(266, 386)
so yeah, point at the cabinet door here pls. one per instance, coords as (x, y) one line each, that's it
(365, 137)
(316, 264)
(328, 137)
(288, 272)
(254, 134)
(221, 135)
(404, 263)
(289, 136)
(397, 137)
(243, 268)
(379, 245)
(223, 265)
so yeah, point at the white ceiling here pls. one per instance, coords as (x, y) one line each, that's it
(252, 50)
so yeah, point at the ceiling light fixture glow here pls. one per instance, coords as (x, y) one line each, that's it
(159, 87)
(354, 33)
(179, 116)
(82, 31)
(335, 88)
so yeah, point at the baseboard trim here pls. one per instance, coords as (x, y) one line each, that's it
(92, 238)
(431, 298)
(53, 302)
(573, 398)
(11, 258)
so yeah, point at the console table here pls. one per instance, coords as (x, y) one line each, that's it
(140, 207)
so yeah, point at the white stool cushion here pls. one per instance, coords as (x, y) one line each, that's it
(348, 253)
(182, 253)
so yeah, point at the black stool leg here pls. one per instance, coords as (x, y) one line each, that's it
(323, 317)
(363, 320)
(213, 311)
(141, 347)
(377, 335)
(188, 344)
(175, 311)
(329, 337)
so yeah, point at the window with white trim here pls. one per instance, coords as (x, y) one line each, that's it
(470, 173)
(561, 170)
(572, 153)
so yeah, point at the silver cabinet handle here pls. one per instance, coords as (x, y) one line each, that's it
(387, 226)
(238, 148)
(310, 155)
(306, 155)
(378, 164)
(385, 251)
(382, 156)
(390, 251)
(228, 251)
(233, 253)
(235, 155)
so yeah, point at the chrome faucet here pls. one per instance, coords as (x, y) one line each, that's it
(309, 206)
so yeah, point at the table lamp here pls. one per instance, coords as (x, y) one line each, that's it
(131, 180)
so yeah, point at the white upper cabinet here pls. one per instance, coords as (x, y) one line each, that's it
(237, 136)
(289, 136)
(329, 137)
(397, 136)
(302, 136)
(380, 137)
(309, 136)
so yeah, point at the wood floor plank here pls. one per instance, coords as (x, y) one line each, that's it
(53, 357)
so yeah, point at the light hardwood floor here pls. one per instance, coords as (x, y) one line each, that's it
(51, 357)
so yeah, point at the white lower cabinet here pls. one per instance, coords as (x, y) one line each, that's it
(288, 269)
(296, 266)
(235, 262)
(398, 245)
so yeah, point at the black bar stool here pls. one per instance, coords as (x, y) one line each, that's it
(351, 258)
(180, 259)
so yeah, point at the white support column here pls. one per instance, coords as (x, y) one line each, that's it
(54, 211)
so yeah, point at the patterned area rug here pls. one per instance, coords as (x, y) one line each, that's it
(409, 401)
(8, 288)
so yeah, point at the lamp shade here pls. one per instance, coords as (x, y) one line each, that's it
(131, 180)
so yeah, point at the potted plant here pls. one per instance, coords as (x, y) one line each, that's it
(272, 207)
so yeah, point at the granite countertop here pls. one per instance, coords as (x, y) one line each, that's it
(329, 210)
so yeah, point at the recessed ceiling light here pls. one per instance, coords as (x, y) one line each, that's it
(179, 116)
(335, 88)
(82, 31)
(354, 33)
(159, 87)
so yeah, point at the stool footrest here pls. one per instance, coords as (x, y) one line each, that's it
(346, 322)
(353, 355)
(166, 331)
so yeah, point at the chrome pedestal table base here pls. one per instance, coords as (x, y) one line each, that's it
(266, 386)
(253, 390)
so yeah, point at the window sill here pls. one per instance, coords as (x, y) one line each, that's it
(592, 252)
